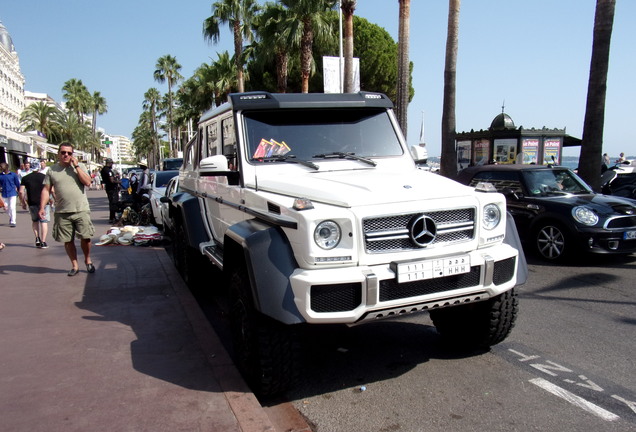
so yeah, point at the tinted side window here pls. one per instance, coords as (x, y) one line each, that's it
(189, 154)
(499, 179)
(229, 142)
(211, 133)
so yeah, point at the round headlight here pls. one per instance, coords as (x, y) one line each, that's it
(584, 215)
(327, 234)
(492, 216)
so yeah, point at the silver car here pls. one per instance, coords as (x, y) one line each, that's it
(158, 183)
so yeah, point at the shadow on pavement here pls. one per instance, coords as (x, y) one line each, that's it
(132, 289)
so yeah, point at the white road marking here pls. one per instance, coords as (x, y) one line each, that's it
(552, 366)
(574, 399)
(630, 404)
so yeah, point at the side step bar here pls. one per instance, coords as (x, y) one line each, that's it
(213, 252)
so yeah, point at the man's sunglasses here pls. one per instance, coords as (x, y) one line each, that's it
(64, 153)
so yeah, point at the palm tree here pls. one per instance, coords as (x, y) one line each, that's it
(199, 92)
(225, 72)
(167, 69)
(144, 138)
(348, 7)
(312, 23)
(592, 142)
(96, 143)
(151, 103)
(273, 27)
(239, 14)
(77, 97)
(38, 116)
(98, 106)
(69, 128)
(402, 102)
(448, 163)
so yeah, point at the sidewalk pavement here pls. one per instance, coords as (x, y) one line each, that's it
(126, 348)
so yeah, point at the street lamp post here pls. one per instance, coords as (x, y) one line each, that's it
(340, 57)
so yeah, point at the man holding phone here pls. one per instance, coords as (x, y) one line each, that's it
(67, 180)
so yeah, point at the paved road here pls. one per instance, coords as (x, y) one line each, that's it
(568, 365)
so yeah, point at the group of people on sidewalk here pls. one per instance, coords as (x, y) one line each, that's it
(64, 184)
(112, 184)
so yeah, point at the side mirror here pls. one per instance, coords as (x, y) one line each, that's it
(213, 164)
(509, 193)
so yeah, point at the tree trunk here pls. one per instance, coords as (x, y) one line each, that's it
(348, 8)
(448, 165)
(306, 45)
(592, 143)
(238, 53)
(402, 102)
(282, 61)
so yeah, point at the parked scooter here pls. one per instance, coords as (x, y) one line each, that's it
(620, 185)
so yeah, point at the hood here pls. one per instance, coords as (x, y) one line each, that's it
(603, 204)
(364, 187)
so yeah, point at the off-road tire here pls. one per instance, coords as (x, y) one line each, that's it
(183, 254)
(478, 325)
(266, 352)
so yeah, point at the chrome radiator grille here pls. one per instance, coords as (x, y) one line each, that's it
(392, 233)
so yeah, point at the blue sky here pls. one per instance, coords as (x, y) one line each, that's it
(534, 55)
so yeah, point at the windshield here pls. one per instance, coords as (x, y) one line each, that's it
(172, 164)
(551, 182)
(163, 177)
(312, 134)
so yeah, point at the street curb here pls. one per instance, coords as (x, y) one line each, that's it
(249, 413)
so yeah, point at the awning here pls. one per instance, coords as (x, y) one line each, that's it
(570, 141)
(18, 147)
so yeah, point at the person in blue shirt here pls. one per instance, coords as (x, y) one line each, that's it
(10, 184)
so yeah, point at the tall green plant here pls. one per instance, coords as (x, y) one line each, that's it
(78, 98)
(167, 69)
(273, 28)
(310, 23)
(239, 14)
(39, 116)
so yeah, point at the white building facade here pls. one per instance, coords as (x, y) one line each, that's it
(11, 83)
(118, 148)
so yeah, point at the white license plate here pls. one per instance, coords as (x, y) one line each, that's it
(629, 235)
(431, 269)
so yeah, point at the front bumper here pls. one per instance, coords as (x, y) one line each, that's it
(607, 242)
(354, 294)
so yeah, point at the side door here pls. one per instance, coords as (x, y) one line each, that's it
(188, 174)
(222, 188)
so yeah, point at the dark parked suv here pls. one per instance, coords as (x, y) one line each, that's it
(171, 164)
(556, 212)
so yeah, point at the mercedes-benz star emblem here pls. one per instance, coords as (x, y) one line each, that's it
(423, 230)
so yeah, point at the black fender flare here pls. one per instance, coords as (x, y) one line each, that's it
(270, 262)
(189, 211)
(512, 239)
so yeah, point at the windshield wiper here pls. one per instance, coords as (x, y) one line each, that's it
(343, 155)
(289, 158)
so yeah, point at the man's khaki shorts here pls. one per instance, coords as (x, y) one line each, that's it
(68, 225)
